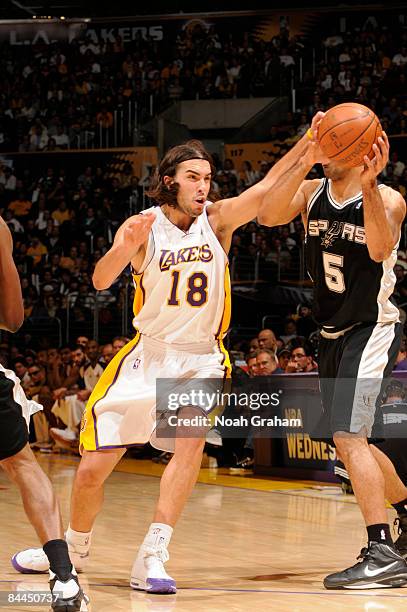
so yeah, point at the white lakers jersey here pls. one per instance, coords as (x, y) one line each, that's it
(183, 287)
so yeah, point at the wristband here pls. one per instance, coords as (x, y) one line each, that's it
(310, 134)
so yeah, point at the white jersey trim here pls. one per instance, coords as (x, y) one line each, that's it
(351, 200)
(314, 195)
(207, 222)
(387, 311)
(150, 250)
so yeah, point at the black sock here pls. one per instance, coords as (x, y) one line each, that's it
(401, 507)
(58, 556)
(379, 533)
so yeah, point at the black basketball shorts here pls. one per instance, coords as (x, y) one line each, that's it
(13, 408)
(353, 367)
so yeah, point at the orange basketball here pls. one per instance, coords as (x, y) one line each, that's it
(348, 132)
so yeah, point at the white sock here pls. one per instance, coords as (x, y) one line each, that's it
(78, 538)
(158, 534)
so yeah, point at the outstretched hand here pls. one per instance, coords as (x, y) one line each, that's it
(373, 167)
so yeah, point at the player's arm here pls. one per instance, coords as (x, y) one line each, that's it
(11, 300)
(289, 194)
(234, 212)
(129, 245)
(384, 210)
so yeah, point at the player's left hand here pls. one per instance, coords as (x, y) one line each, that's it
(373, 167)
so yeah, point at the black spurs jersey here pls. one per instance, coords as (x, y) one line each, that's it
(349, 287)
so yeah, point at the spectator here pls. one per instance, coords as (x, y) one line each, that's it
(107, 354)
(283, 355)
(118, 343)
(267, 363)
(251, 361)
(20, 368)
(290, 330)
(267, 340)
(301, 360)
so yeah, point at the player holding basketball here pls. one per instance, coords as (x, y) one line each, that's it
(16, 456)
(353, 230)
(178, 252)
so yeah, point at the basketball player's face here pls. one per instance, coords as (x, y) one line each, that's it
(335, 171)
(194, 180)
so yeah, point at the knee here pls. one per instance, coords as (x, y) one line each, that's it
(88, 478)
(349, 446)
(189, 449)
(10, 466)
(21, 462)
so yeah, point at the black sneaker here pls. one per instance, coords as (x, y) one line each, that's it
(401, 542)
(380, 566)
(69, 596)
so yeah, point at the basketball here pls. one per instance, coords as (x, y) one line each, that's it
(348, 132)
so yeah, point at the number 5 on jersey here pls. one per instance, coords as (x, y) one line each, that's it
(197, 289)
(333, 274)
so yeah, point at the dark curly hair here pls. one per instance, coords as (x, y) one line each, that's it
(167, 194)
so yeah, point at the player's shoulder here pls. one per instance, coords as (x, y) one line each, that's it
(393, 198)
(390, 193)
(132, 218)
(309, 187)
(213, 208)
(152, 209)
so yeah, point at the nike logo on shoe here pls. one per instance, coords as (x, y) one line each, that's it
(370, 573)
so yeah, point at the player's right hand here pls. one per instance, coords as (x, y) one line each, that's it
(135, 232)
(6, 239)
(314, 154)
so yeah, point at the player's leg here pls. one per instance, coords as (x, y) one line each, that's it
(395, 489)
(392, 458)
(365, 474)
(179, 479)
(352, 419)
(177, 483)
(86, 502)
(42, 509)
(37, 494)
(88, 487)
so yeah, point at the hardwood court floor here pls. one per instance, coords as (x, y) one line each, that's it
(242, 544)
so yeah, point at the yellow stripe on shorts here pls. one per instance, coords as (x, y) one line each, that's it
(88, 437)
(227, 306)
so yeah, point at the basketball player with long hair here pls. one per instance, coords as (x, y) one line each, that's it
(353, 229)
(16, 456)
(178, 254)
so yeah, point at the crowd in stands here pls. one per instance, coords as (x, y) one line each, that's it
(62, 225)
(58, 96)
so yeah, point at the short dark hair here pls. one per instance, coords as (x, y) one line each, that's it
(167, 194)
(19, 360)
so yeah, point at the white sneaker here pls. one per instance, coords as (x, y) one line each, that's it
(35, 561)
(30, 561)
(66, 434)
(65, 438)
(148, 573)
(68, 594)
